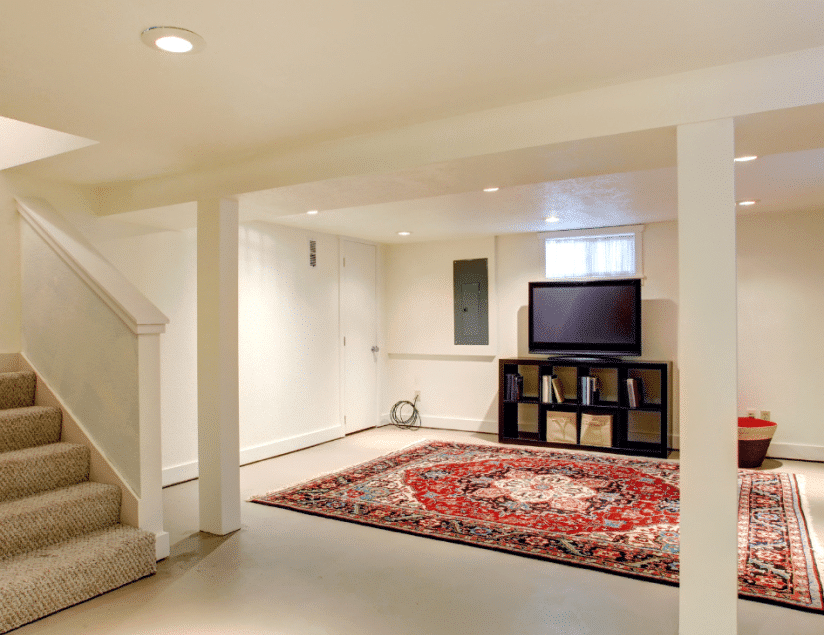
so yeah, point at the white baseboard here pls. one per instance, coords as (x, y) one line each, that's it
(179, 473)
(796, 451)
(778, 450)
(454, 423)
(189, 471)
(297, 442)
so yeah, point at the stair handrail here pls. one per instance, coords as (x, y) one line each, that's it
(120, 295)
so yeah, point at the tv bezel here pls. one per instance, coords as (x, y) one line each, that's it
(587, 349)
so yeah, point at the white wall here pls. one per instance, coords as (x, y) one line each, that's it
(422, 354)
(419, 296)
(288, 342)
(9, 270)
(780, 344)
(781, 299)
(84, 352)
(163, 266)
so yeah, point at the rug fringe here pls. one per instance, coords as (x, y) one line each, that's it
(815, 544)
(321, 475)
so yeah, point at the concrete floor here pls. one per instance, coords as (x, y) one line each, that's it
(291, 573)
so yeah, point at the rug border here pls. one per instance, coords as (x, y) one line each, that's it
(565, 563)
(815, 545)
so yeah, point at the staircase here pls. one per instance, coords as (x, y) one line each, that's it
(61, 541)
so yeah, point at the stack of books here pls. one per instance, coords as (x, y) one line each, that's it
(514, 387)
(552, 391)
(588, 390)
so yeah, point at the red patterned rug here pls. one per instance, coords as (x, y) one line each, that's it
(614, 514)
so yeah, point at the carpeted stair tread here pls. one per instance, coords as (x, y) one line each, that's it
(28, 427)
(17, 389)
(50, 517)
(36, 584)
(42, 468)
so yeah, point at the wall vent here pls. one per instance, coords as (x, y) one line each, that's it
(313, 253)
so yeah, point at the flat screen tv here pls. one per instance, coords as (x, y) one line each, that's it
(600, 318)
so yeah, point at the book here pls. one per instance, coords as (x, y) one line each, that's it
(558, 389)
(635, 392)
(546, 389)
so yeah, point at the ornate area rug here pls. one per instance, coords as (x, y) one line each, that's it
(614, 514)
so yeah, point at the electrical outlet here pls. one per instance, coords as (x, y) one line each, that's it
(765, 415)
(751, 412)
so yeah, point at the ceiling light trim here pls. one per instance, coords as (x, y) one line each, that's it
(153, 34)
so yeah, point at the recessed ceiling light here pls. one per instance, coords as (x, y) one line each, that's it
(491, 189)
(750, 157)
(552, 219)
(404, 233)
(312, 211)
(747, 202)
(172, 39)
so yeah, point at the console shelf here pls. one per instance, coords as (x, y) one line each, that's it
(615, 418)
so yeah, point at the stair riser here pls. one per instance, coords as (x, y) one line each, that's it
(35, 470)
(41, 583)
(25, 527)
(22, 428)
(17, 389)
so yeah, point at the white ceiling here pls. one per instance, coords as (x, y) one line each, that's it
(275, 75)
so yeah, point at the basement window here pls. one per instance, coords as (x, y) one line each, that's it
(594, 254)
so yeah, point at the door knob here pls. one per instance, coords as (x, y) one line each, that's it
(375, 349)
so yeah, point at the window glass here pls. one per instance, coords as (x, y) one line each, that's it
(612, 255)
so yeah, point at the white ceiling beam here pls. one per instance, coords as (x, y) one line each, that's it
(754, 86)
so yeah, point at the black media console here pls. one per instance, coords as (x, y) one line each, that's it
(605, 405)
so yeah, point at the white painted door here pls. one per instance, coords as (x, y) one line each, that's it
(359, 332)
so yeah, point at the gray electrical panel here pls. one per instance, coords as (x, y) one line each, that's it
(471, 298)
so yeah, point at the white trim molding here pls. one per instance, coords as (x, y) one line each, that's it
(796, 452)
(487, 426)
(189, 471)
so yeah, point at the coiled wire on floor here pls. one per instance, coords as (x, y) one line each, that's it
(401, 416)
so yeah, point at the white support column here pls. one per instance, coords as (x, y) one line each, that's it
(150, 507)
(707, 357)
(217, 366)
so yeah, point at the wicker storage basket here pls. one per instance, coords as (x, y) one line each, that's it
(754, 436)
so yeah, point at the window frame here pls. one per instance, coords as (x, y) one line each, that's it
(637, 231)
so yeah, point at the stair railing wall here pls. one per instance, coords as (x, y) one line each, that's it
(94, 340)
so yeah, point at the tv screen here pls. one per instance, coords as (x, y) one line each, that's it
(594, 318)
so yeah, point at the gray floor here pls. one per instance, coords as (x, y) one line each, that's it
(290, 573)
